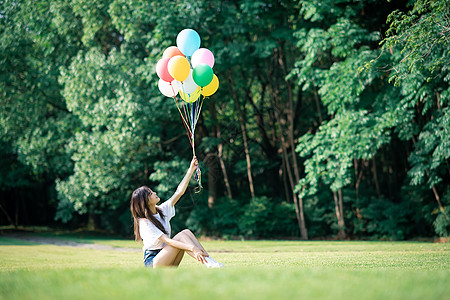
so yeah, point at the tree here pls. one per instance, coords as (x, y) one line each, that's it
(420, 67)
(37, 38)
(367, 118)
(335, 49)
(317, 129)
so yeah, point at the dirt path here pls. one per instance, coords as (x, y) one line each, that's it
(64, 243)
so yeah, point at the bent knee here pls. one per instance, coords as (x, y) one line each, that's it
(180, 236)
(183, 235)
(187, 231)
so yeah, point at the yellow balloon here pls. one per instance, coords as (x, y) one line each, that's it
(212, 87)
(178, 68)
(190, 98)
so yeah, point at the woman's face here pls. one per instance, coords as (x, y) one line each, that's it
(153, 198)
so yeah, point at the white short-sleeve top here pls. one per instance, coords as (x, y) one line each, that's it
(150, 233)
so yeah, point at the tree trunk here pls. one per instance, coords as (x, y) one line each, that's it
(210, 159)
(435, 193)
(92, 221)
(211, 163)
(290, 131)
(284, 171)
(339, 214)
(375, 177)
(358, 176)
(438, 199)
(438, 101)
(247, 158)
(16, 218)
(267, 146)
(10, 220)
(298, 212)
(316, 99)
(224, 171)
(298, 208)
(341, 209)
(244, 137)
(212, 110)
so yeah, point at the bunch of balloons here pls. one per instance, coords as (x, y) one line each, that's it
(186, 70)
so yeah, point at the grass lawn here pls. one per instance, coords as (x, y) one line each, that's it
(254, 270)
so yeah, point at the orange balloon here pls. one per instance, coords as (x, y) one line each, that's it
(178, 67)
(171, 52)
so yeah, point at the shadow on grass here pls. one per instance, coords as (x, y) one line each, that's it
(9, 241)
(87, 240)
(47, 235)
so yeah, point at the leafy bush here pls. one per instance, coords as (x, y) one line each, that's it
(221, 220)
(262, 217)
(442, 223)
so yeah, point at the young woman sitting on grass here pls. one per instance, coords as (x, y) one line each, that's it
(152, 226)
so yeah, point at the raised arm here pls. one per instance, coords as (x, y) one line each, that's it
(184, 183)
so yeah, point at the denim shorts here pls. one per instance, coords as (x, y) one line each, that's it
(149, 255)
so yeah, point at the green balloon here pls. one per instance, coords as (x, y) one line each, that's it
(202, 75)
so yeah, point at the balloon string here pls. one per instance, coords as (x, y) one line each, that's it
(187, 118)
(178, 106)
(187, 107)
(194, 114)
(192, 126)
(190, 111)
(199, 111)
(188, 130)
(183, 119)
(193, 111)
(187, 113)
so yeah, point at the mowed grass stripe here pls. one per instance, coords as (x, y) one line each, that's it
(254, 270)
(231, 283)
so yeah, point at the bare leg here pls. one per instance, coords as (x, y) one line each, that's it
(171, 256)
(193, 239)
(185, 237)
(166, 257)
(189, 237)
(209, 261)
(178, 259)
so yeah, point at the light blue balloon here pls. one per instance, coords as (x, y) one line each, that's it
(188, 41)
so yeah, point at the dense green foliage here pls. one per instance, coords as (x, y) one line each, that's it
(331, 116)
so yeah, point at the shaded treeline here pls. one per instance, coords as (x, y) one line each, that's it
(331, 117)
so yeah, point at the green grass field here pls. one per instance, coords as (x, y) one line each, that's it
(254, 270)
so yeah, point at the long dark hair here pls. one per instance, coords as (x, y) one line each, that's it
(140, 210)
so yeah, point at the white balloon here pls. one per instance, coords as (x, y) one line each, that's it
(168, 89)
(188, 86)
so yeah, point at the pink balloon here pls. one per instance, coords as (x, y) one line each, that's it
(202, 56)
(162, 71)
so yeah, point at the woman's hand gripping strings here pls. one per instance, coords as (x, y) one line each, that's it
(199, 254)
(185, 182)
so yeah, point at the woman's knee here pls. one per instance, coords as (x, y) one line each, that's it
(187, 232)
(182, 235)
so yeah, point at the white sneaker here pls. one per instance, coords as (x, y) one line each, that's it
(214, 265)
(211, 263)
